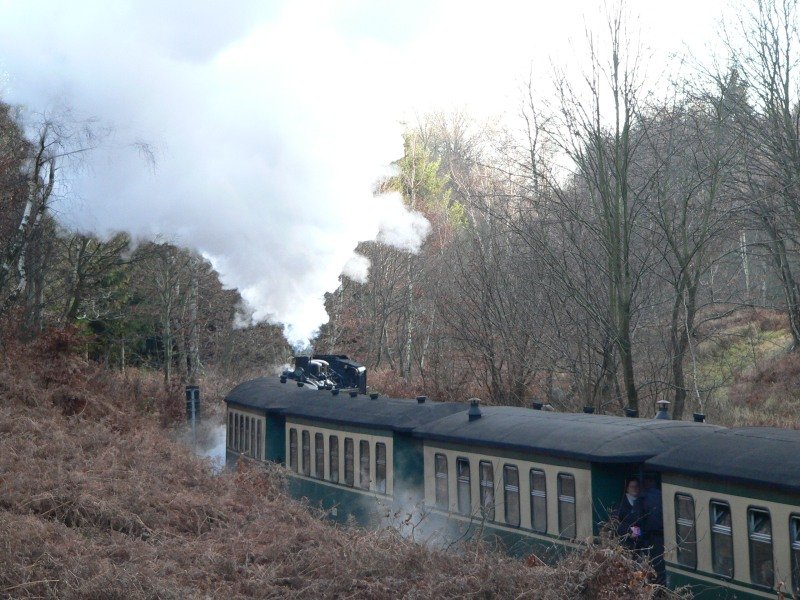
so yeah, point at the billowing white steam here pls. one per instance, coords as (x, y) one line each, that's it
(266, 126)
(269, 122)
(357, 268)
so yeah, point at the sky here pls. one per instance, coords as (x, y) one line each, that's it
(267, 124)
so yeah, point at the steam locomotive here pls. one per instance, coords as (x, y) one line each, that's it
(534, 481)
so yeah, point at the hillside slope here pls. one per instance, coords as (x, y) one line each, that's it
(98, 501)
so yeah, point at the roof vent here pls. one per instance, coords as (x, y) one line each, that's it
(663, 408)
(631, 412)
(537, 406)
(421, 399)
(474, 409)
(374, 395)
(335, 391)
(589, 410)
(299, 384)
(283, 378)
(353, 393)
(699, 417)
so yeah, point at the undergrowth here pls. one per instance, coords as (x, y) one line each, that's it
(98, 501)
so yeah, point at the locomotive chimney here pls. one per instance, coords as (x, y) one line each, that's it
(474, 412)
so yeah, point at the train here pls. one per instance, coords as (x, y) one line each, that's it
(533, 481)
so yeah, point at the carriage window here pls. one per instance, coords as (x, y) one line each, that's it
(333, 460)
(258, 438)
(230, 430)
(380, 467)
(442, 485)
(759, 527)
(241, 433)
(363, 479)
(511, 494)
(235, 445)
(486, 471)
(349, 464)
(319, 456)
(306, 453)
(463, 489)
(566, 506)
(685, 533)
(794, 539)
(236, 436)
(721, 539)
(538, 500)
(293, 449)
(252, 449)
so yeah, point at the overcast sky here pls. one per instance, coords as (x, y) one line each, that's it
(270, 122)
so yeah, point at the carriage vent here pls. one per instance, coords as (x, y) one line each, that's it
(421, 399)
(353, 393)
(474, 409)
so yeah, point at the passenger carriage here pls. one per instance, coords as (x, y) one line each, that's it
(534, 480)
(538, 480)
(732, 512)
(351, 454)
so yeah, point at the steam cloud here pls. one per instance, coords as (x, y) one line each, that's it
(267, 129)
(271, 121)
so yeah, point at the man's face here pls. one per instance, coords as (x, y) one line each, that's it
(633, 488)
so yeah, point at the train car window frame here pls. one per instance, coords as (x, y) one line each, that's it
(306, 452)
(241, 433)
(251, 451)
(293, 449)
(463, 486)
(756, 537)
(364, 465)
(685, 545)
(238, 434)
(488, 494)
(538, 496)
(567, 506)
(441, 481)
(349, 462)
(794, 550)
(319, 455)
(721, 534)
(380, 467)
(258, 439)
(511, 504)
(333, 458)
(230, 429)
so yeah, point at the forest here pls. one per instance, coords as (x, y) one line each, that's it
(138, 303)
(605, 245)
(599, 246)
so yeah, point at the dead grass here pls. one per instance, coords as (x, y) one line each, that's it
(97, 501)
